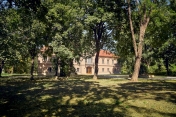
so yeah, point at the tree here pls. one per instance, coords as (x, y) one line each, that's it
(9, 44)
(98, 22)
(64, 18)
(172, 21)
(144, 10)
(138, 48)
(168, 54)
(160, 37)
(33, 31)
(23, 29)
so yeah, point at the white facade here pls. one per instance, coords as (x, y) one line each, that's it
(108, 64)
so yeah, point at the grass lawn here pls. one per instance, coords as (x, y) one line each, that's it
(81, 96)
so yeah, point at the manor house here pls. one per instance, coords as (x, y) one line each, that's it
(108, 64)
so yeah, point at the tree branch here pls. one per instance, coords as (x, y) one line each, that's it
(132, 30)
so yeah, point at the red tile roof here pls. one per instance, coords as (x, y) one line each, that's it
(105, 53)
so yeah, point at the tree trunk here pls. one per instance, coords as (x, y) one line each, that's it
(32, 68)
(138, 48)
(96, 65)
(98, 31)
(56, 71)
(139, 56)
(72, 69)
(136, 70)
(63, 67)
(56, 67)
(0, 70)
(132, 29)
(167, 66)
(1, 67)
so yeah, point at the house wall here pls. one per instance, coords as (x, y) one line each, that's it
(45, 66)
(107, 65)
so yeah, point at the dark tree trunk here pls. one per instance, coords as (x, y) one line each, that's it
(56, 66)
(72, 69)
(99, 41)
(33, 53)
(56, 71)
(167, 66)
(62, 68)
(96, 65)
(32, 68)
(1, 67)
(0, 70)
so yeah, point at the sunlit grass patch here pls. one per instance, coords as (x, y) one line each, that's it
(87, 97)
(154, 107)
(107, 101)
(34, 88)
(45, 97)
(107, 82)
(49, 86)
(44, 110)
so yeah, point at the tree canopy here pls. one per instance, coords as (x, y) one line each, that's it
(139, 31)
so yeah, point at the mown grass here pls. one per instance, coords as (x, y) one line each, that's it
(81, 96)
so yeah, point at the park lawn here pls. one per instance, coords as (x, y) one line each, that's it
(81, 96)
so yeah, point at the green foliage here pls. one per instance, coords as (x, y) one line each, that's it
(64, 18)
(126, 65)
(8, 32)
(66, 35)
(22, 67)
(157, 35)
(23, 33)
(65, 68)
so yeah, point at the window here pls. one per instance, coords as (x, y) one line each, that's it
(107, 61)
(108, 69)
(102, 69)
(102, 61)
(89, 60)
(77, 69)
(112, 61)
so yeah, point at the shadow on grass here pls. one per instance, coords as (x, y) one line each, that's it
(78, 97)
